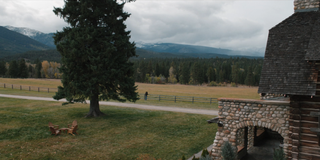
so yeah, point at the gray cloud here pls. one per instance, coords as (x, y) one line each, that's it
(224, 24)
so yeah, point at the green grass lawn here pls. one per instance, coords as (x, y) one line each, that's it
(123, 134)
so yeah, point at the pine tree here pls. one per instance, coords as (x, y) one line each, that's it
(38, 68)
(23, 69)
(210, 74)
(227, 152)
(31, 71)
(185, 74)
(235, 73)
(13, 69)
(249, 78)
(157, 70)
(95, 50)
(3, 68)
(149, 68)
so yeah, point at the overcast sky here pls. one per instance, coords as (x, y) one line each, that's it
(239, 24)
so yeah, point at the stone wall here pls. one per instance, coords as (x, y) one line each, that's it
(271, 96)
(306, 5)
(235, 114)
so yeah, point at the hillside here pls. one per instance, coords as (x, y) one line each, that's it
(44, 38)
(54, 55)
(194, 50)
(49, 55)
(12, 43)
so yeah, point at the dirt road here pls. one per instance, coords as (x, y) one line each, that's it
(139, 106)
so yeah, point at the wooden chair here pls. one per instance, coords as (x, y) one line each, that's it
(54, 129)
(73, 128)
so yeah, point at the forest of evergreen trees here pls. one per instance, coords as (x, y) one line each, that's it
(23, 69)
(198, 71)
(193, 71)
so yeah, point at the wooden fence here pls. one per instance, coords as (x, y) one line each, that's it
(175, 99)
(28, 88)
(150, 97)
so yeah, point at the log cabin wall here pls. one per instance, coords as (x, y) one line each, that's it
(304, 143)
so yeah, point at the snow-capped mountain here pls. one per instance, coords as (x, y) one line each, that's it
(45, 38)
(25, 31)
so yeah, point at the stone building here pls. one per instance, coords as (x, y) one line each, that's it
(290, 87)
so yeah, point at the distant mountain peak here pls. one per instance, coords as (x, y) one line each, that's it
(44, 38)
(25, 31)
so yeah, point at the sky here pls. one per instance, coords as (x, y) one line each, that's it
(229, 24)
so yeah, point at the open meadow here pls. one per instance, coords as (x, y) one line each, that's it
(123, 134)
(155, 89)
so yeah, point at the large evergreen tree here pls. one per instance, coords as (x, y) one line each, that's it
(95, 50)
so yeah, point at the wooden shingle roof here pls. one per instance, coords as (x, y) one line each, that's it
(293, 47)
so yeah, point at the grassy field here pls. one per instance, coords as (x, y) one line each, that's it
(157, 89)
(168, 89)
(122, 134)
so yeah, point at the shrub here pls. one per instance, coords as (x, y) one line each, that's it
(204, 153)
(213, 83)
(233, 84)
(207, 157)
(228, 152)
(194, 158)
(278, 154)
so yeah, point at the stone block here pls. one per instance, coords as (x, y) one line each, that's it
(226, 132)
(225, 139)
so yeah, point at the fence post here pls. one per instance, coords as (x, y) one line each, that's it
(4, 85)
(175, 99)
(210, 100)
(38, 89)
(20, 87)
(48, 90)
(192, 99)
(159, 97)
(12, 86)
(29, 88)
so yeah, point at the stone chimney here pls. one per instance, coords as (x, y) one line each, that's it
(306, 5)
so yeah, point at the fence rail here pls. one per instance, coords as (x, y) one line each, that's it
(149, 97)
(179, 98)
(28, 88)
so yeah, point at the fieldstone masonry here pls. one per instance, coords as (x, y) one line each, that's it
(306, 5)
(236, 114)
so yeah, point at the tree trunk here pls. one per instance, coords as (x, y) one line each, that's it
(94, 107)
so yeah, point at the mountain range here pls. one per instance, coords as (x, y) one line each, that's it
(18, 40)
(12, 42)
(45, 38)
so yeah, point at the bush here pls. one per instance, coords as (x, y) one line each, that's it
(204, 153)
(194, 158)
(233, 84)
(228, 152)
(213, 83)
(207, 157)
(278, 154)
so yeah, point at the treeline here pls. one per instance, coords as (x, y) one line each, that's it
(193, 71)
(23, 69)
(213, 71)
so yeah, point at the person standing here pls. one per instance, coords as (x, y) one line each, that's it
(145, 96)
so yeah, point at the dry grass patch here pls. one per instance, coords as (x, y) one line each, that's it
(123, 134)
(159, 89)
